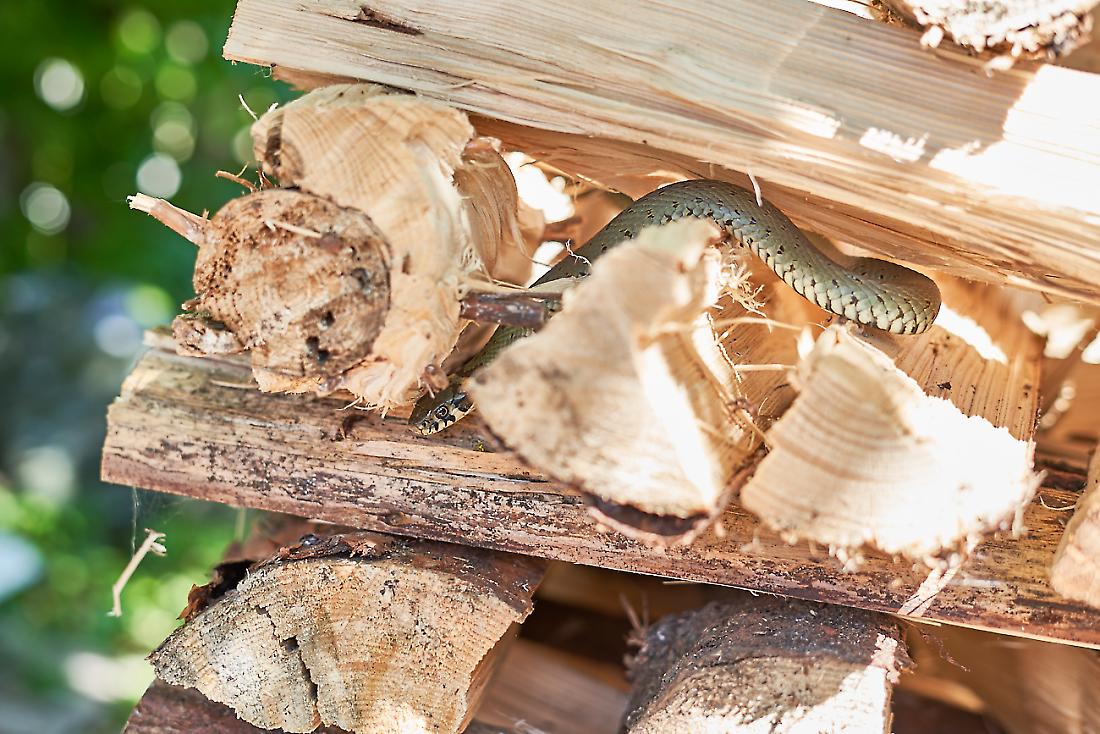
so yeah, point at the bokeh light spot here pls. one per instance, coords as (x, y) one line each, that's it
(121, 87)
(159, 175)
(118, 335)
(59, 84)
(101, 678)
(45, 208)
(47, 473)
(186, 42)
(176, 82)
(138, 31)
(242, 145)
(173, 130)
(149, 305)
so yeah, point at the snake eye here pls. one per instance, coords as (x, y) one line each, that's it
(442, 411)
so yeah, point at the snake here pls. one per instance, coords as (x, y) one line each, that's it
(873, 293)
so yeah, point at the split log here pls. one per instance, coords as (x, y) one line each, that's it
(535, 689)
(361, 631)
(914, 446)
(352, 279)
(1040, 29)
(1028, 687)
(766, 665)
(1075, 572)
(839, 115)
(187, 426)
(626, 394)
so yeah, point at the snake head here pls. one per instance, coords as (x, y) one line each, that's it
(433, 413)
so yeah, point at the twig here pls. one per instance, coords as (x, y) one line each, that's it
(273, 223)
(527, 309)
(191, 227)
(236, 179)
(151, 544)
(246, 107)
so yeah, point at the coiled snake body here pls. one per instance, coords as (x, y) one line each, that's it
(871, 292)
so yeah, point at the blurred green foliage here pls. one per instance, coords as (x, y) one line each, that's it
(100, 100)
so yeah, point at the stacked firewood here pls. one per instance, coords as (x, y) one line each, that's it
(685, 413)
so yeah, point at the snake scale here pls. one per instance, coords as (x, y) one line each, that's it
(871, 292)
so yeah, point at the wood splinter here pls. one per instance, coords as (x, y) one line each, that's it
(365, 632)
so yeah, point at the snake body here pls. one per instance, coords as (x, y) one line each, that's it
(871, 292)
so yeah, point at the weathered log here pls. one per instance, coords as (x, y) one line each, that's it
(187, 426)
(352, 280)
(839, 115)
(766, 665)
(356, 630)
(1075, 572)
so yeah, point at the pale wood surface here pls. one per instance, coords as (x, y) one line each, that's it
(194, 427)
(929, 158)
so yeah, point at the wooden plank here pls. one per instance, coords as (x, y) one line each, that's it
(992, 176)
(194, 427)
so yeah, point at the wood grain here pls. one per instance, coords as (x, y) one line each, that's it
(991, 175)
(193, 427)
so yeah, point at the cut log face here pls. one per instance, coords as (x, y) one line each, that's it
(360, 631)
(625, 393)
(305, 302)
(1075, 572)
(766, 665)
(919, 454)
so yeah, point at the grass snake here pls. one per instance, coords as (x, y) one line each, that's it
(871, 292)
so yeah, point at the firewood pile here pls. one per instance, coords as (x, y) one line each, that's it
(538, 530)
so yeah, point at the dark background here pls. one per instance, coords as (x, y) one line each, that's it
(99, 100)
